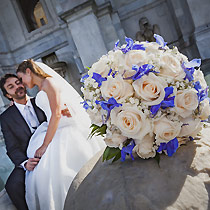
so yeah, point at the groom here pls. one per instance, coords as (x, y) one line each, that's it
(17, 131)
(18, 124)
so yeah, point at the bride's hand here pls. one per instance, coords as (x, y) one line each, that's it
(40, 151)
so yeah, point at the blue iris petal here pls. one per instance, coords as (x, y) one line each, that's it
(168, 91)
(189, 74)
(98, 78)
(193, 63)
(170, 147)
(168, 102)
(127, 150)
(138, 47)
(141, 71)
(84, 78)
(154, 109)
(189, 68)
(202, 93)
(116, 44)
(165, 103)
(85, 105)
(131, 46)
(108, 105)
(110, 71)
(160, 40)
(191, 138)
(128, 46)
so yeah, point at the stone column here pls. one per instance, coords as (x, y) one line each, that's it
(106, 24)
(86, 34)
(184, 26)
(200, 16)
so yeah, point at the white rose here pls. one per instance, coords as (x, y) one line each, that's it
(204, 109)
(198, 76)
(179, 55)
(150, 88)
(144, 147)
(152, 47)
(101, 67)
(131, 121)
(117, 88)
(115, 140)
(185, 102)
(171, 67)
(190, 127)
(166, 130)
(135, 57)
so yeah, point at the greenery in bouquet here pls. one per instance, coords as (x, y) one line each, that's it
(145, 99)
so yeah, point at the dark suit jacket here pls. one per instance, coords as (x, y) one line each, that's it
(17, 133)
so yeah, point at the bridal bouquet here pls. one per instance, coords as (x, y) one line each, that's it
(145, 99)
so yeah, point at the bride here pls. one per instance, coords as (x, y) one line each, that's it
(61, 142)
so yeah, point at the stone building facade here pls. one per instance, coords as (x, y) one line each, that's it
(70, 35)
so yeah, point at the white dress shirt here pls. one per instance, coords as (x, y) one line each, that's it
(21, 108)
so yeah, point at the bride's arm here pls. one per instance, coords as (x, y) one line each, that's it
(54, 100)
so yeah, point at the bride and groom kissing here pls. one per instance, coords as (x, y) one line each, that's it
(45, 137)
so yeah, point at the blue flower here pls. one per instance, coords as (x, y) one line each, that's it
(191, 138)
(166, 102)
(141, 71)
(189, 68)
(201, 93)
(112, 73)
(160, 41)
(108, 105)
(131, 46)
(170, 147)
(84, 78)
(85, 105)
(127, 150)
(116, 45)
(98, 78)
(193, 63)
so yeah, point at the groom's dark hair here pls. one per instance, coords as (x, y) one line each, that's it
(3, 81)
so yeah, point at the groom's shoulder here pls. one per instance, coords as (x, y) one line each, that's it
(8, 112)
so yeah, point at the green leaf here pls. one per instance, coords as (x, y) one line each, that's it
(87, 67)
(157, 158)
(117, 157)
(110, 153)
(97, 130)
(106, 153)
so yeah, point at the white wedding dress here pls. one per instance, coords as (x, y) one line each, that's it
(47, 185)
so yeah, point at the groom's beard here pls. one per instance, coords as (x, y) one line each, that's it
(20, 93)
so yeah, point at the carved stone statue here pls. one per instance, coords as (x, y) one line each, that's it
(147, 30)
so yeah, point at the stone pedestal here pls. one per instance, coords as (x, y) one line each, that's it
(180, 182)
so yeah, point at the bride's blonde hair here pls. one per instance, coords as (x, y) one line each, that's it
(33, 67)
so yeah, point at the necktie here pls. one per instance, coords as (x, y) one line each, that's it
(30, 118)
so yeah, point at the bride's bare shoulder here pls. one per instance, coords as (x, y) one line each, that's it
(49, 82)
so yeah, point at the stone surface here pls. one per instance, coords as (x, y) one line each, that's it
(181, 182)
(5, 202)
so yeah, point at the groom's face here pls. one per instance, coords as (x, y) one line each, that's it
(15, 89)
